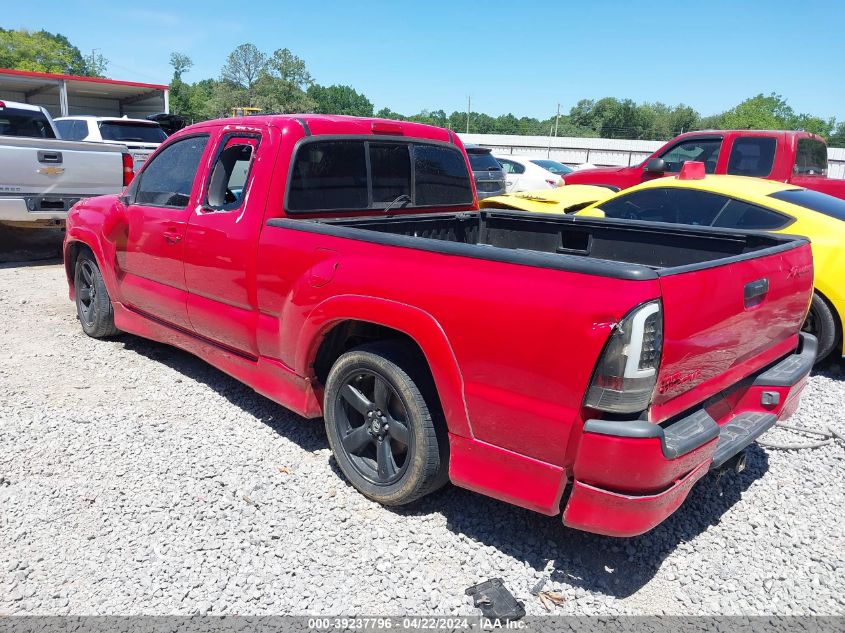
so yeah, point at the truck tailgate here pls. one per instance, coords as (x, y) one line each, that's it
(46, 166)
(723, 323)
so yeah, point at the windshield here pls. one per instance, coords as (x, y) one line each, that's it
(553, 166)
(483, 161)
(14, 122)
(814, 200)
(131, 131)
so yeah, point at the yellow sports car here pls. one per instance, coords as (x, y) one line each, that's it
(566, 199)
(739, 202)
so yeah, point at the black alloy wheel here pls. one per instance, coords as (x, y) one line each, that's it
(373, 422)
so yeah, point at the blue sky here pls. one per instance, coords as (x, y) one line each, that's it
(519, 57)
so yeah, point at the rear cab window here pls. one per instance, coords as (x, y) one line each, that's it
(810, 158)
(752, 156)
(374, 173)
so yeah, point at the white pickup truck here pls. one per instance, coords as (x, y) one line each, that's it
(41, 176)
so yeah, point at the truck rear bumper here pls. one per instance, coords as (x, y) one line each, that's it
(629, 475)
(35, 208)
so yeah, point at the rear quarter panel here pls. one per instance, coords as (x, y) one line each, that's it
(524, 341)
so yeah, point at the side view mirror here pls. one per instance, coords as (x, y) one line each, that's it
(656, 166)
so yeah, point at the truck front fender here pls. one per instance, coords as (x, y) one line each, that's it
(419, 325)
(78, 237)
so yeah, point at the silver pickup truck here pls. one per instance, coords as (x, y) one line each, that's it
(41, 176)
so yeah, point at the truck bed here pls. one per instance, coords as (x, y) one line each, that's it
(623, 249)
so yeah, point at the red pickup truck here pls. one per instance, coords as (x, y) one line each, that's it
(341, 267)
(798, 158)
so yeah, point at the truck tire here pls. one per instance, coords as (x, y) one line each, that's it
(384, 423)
(93, 305)
(821, 323)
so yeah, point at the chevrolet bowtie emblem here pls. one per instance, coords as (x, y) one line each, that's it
(51, 171)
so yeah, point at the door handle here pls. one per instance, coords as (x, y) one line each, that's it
(755, 292)
(172, 236)
(49, 157)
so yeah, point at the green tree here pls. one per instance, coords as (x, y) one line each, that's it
(181, 64)
(46, 52)
(762, 112)
(387, 113)
(283, 83)
(337, 99)
(180, 92)
(612, 118)
(837, 136)
(242, 70)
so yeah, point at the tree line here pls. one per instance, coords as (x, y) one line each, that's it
(45, 52)
(280, 82)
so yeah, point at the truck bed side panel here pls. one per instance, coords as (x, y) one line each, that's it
(525, 339)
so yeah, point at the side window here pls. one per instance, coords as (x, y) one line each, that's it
(667, 204)
(73, 130)
(742, 215)
(705, 150)
(167, 179)
(64, 128)
(80, 130)
(230, 175)
(752, 156)
(647, 205)
(511, 167)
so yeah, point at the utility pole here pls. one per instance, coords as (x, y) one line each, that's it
(94, 59)
(557, 118)
(469, 109)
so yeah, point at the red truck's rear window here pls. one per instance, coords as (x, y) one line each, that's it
(358, 174)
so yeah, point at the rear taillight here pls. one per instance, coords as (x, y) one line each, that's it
(128, 169)
(627, 370)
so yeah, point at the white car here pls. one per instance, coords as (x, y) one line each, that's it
(142, 137)
(526, 173)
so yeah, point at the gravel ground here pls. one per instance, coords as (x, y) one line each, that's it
(135, 478)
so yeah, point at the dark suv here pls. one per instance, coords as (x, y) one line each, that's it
(488, 173)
